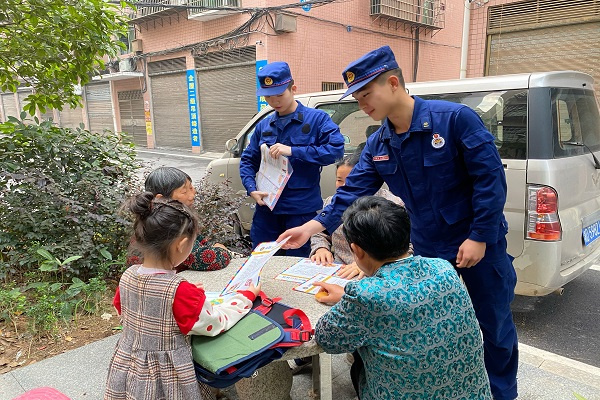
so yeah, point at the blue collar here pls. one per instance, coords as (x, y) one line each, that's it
(421, 120)
(298, 115)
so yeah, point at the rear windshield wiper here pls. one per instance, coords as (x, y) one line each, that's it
(581, 144)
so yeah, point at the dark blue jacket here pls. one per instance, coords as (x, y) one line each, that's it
(446, 169)
(316, 141)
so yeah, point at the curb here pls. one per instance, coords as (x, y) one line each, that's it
(206, 155)
(559, 365)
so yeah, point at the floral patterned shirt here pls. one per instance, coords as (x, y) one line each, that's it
(204, 257)
(414, 326)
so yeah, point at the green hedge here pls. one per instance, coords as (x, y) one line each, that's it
(60, 190)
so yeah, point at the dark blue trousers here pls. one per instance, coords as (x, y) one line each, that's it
(491, 285)
(266, 227)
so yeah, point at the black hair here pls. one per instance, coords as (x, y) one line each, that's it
(379, 226)
(289, 86)
(158, 222)
(351, 159)
(392, 72)
(165, 180)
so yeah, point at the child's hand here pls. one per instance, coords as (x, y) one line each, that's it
(279, 149)
(322, 256)
(349, 271)
(258, 197)
(255, 289)
(199, 285)
(220, 245)
(333, 293)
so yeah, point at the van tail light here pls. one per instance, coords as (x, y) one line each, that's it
(542, 214)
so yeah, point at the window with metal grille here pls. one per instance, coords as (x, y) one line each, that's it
(226, 57)
(165, 66)
(530, 14)
(325, 86)
(422, 13)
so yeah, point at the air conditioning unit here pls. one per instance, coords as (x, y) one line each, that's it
(125, 65)
(136, 46)
(285, 23)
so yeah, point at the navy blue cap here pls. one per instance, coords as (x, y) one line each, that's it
(273, 79)
(362, 71)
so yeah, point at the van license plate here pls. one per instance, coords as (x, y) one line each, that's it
(591, 233)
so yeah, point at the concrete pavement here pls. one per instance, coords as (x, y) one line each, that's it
(81, 373)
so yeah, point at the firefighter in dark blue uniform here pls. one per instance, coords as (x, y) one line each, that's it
(308, 137)
(441, 160)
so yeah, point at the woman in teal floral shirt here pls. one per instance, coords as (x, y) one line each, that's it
(175, 184)
(409, 321)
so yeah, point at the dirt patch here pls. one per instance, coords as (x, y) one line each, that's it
(21, 348)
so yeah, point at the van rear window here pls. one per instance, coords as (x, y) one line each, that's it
(576, 122)
(503, 112)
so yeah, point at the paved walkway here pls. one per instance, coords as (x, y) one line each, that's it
(81, 373)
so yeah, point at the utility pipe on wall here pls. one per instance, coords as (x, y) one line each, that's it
(464, 47)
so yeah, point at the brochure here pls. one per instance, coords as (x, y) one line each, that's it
(305, 269)
(308, 287)
(249, 272)
(273, 175)
(215, 298)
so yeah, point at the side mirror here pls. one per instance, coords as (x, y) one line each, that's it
(230, 144)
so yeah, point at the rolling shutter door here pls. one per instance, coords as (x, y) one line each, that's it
(10, 108)
(71, 117)
(227, 99)
(99, 107)
(131, 106)
(22, 95)
(171, 117)
(226, 94)
(544, 35)
(48, 115)
(169, 103)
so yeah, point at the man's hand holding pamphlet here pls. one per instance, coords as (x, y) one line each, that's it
(273, 175)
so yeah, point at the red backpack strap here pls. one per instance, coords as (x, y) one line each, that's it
(266, 303)
(304, 334)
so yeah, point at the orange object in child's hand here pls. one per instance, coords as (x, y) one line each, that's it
(321, 293)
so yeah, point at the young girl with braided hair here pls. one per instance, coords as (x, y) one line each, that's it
(153, 359)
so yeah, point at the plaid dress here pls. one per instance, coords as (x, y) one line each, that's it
(153, 359)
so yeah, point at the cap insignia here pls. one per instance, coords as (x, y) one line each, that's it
(350, 76)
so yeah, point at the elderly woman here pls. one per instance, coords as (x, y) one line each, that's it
(409, 321)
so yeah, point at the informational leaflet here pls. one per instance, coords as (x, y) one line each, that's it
(309, 287)
(305, 269)
(273, 175)
(249, 272)
(215, 297)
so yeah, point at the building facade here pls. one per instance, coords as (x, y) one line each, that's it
(512, 36)
(189, 80)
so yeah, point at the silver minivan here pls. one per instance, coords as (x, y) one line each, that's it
(547, 128)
